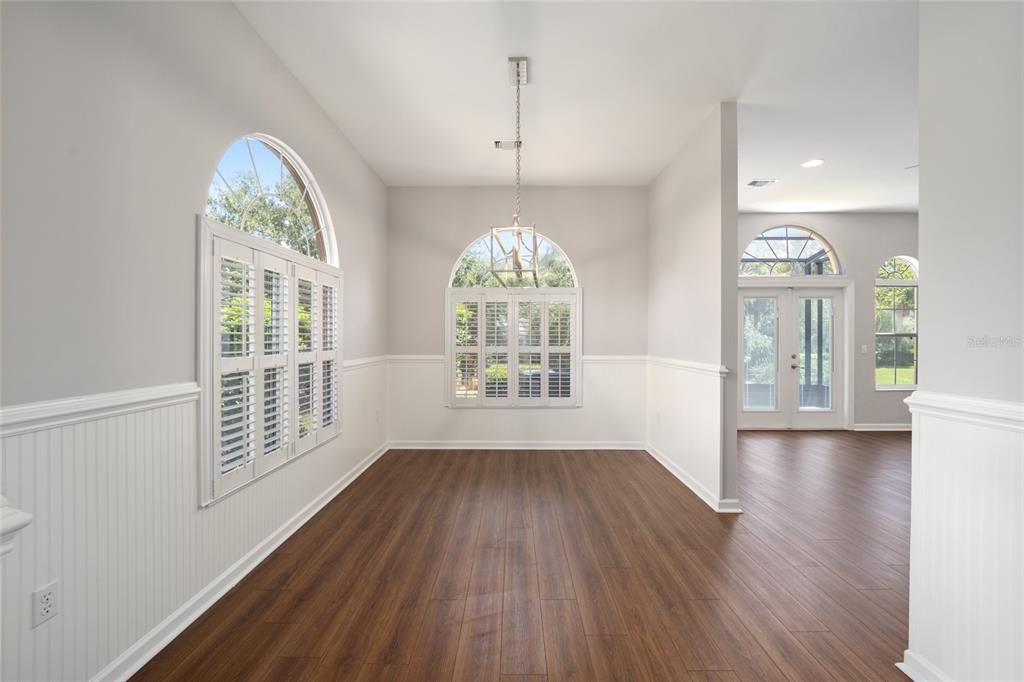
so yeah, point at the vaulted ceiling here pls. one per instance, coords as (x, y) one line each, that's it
(616, 88)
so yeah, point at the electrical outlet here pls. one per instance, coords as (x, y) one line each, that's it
(45, 603)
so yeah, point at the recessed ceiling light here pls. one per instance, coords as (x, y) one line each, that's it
(812, 163)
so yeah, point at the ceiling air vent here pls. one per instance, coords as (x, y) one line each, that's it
(760, 183)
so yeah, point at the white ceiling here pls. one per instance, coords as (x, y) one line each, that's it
(616, 88)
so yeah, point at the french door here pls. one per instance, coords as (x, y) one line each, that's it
(791, 358)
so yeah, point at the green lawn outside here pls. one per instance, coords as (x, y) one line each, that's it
(904, 376)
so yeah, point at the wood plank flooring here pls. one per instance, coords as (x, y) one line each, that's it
(529, 566)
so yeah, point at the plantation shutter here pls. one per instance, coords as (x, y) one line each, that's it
(272, 328)
(464, 327)
(270, 368)
(327, 356)
(235, 371)
(561, 354)
(531, 379)
(497, 383)
(512, 347)
(307, 341)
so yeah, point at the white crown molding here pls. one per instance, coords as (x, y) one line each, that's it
(698, 367)
(882, 427)
(979, 411)
(129, 662)
(48, 414)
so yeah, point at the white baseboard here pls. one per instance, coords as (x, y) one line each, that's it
(729, 505)
(129, 662)
(514, 445)
(881, 427)
(919, 669)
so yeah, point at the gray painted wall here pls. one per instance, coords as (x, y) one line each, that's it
(862, 241)
(603, 230)
(971, 98)
(115, 116)
(691, 267)
(685, 252)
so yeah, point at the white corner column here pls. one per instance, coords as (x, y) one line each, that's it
(967, 513)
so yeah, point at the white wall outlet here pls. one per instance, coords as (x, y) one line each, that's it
(45, 602)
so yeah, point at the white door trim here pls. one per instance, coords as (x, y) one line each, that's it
(843, 372)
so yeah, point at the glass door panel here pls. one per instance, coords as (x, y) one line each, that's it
(814, 335)
(791, 358)
(760, 353)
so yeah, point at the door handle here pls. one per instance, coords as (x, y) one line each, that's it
(794, 366)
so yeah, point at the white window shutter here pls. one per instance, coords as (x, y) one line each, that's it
(234, 422)
(561, 350)
(307, 326)
(465, 327)
(497, 379)
(270, 364)
(275, 385)
(513, 347)
(328, 363)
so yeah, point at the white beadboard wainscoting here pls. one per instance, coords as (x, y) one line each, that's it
(611, 416)
(685, 425)
(967, 539)
(111, 482)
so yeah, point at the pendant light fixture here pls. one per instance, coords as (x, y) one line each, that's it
(514, 258)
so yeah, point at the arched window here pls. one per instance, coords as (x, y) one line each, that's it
(896, 324)
(512, 339)
(473, 269)
(270, 352)
(261, 187)
(788, 251)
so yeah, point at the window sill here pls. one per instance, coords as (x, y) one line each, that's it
(566, 406)
(242, 486)
(902, 388)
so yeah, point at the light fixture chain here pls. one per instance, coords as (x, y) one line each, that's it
(518, 145)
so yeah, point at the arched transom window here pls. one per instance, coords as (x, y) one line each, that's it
(270, 318)
(473, 269)
(512, 339)
(262, 188)
(788, 251)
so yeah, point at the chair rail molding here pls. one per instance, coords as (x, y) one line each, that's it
(979, 411)
(48, 414)
(720, 371)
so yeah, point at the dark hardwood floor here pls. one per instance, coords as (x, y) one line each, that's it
(516, 565)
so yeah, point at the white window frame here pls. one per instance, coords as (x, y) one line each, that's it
(513, 296)
(897, 284)
(213, 240)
